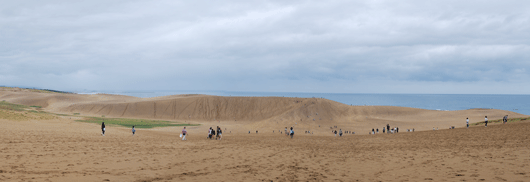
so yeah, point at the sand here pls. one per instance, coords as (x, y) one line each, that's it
(254, 113)
(58, 148)
(62, 150)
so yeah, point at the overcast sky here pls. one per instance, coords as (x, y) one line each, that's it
(473, 47)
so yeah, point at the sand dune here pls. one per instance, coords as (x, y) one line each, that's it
(253, 113)
(45, 147)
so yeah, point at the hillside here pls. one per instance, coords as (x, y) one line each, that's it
(250, 112)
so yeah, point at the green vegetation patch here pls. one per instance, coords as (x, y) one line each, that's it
(138, 123)
(33, 111)
(9, 106)
(500, 121)
(36, 106)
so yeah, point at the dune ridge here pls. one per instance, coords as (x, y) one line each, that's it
(252, 112)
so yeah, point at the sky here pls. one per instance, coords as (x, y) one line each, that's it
(379, 46)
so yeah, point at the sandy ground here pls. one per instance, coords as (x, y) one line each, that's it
(47, 147)
(64, 150)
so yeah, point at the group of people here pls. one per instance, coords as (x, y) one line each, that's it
(340, 132)
(486, 121)
(182, 135)
(387, 129)
(218, 133)
(290, 133)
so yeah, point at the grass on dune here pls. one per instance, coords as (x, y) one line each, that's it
(138, 123)
(16, 112)
(14, 107)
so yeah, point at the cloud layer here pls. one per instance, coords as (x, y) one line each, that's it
(294, 46)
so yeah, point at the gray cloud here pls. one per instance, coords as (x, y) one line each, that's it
(299, 46)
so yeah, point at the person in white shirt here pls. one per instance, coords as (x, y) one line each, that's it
(184, 133)
(467, 122)
(486, 121)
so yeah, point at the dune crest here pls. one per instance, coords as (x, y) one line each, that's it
(256, 112)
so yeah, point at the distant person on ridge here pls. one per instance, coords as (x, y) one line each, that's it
(467, 122)
(103, 128)
(184, 133)
(486, 120)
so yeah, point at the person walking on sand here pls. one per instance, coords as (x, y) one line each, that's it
(387, 128)
(220, 133)
(505, 119)
(184, 133)
(210, 133)
(286, 131)
(335, 132)
(291, 132)
(133, 130)
(340, 132)
(467, 122)
(486, 121)
(102, 128)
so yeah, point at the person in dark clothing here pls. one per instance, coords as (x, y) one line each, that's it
(213, 133)
(486, 120)
(387, 127)
(219, 133)
(291, 132)
(103, 128)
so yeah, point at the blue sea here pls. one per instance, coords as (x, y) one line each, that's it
(515, 103)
